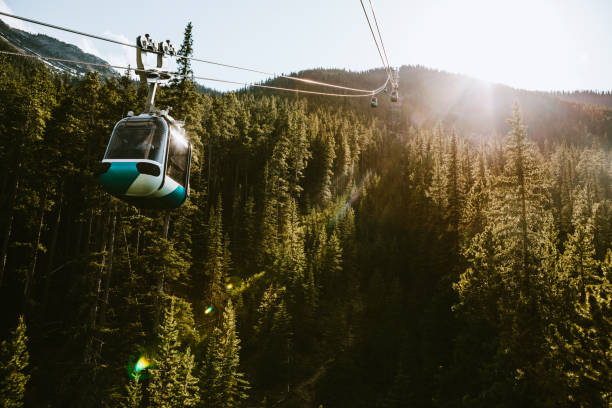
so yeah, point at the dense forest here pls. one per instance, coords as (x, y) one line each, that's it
(591, 97)
(453, 251)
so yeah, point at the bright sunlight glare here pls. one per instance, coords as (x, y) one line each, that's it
(528, 44)
(541, 44)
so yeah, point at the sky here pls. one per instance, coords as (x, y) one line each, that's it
(528, 44)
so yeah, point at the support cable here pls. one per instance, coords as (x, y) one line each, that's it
(304, 80)
(380, 36)
(369, 93)
(375, 41)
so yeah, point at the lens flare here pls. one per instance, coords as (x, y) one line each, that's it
(229, 286)
(141, 364)
(139, 370)
(351, 199)
(208, 310)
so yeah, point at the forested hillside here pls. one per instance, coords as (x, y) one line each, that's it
(329, 255)
(590, 97)
(40, 44)
(475, 108)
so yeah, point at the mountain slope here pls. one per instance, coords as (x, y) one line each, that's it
(590, 97)
(473, 107)
(44, 45)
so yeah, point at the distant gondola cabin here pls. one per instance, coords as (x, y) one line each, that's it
(394, 96)
(374, 102)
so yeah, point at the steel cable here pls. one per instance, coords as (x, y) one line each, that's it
(304, 80)
(370, 93)
(379, 34)
(375, 41)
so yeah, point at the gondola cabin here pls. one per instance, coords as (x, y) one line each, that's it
(147, 161)
(374, 102)
(394, 96)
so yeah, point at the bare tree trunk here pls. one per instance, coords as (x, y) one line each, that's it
(162, 274)
(4, 250)
(89, 354)
(166, 224)
(98, 280)
(208, 186)
(137, 246)
(32, 269)
(90, 227)
(8, 229)
(127, 252)
(109, 270)
(52, 248)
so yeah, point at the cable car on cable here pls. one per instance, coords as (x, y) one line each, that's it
(394, 96)
(148, 158)
(374, 102)
(147, 161)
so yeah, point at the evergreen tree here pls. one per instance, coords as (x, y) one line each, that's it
(14, 360)
(217, 259)
(186, 50)
(437, 189)
(510, 276)
(133, 398)
(452, 185)
(274, 337)
(584, 312)
(173, 383)
(222, 384)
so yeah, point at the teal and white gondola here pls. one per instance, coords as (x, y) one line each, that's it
(148, 158)
(147, 162)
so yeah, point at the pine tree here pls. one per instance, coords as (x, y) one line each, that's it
(222, 384)
(437, 188)
(133, 398)
(269, 230)
(172, 383)
(578, 264)
(186, 50)
(274, 336)
(217, 258)
(510, 276)
(14, 360)
(584, 314)
(452, 185)
(473, 218)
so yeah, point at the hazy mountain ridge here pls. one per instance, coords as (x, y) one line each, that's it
(477, 107)
(588, 97)
(41, 44)
(473, 107)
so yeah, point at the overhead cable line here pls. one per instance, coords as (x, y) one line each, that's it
(94, 64)
(304, 80)
(67, 29)
(379, 34)
(369, 93)
(375, 41)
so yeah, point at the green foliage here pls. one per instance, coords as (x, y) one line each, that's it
(173, 382)
(372, 263)
(14, 361)
(133, 398)
(184, 64)
(222, 384)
